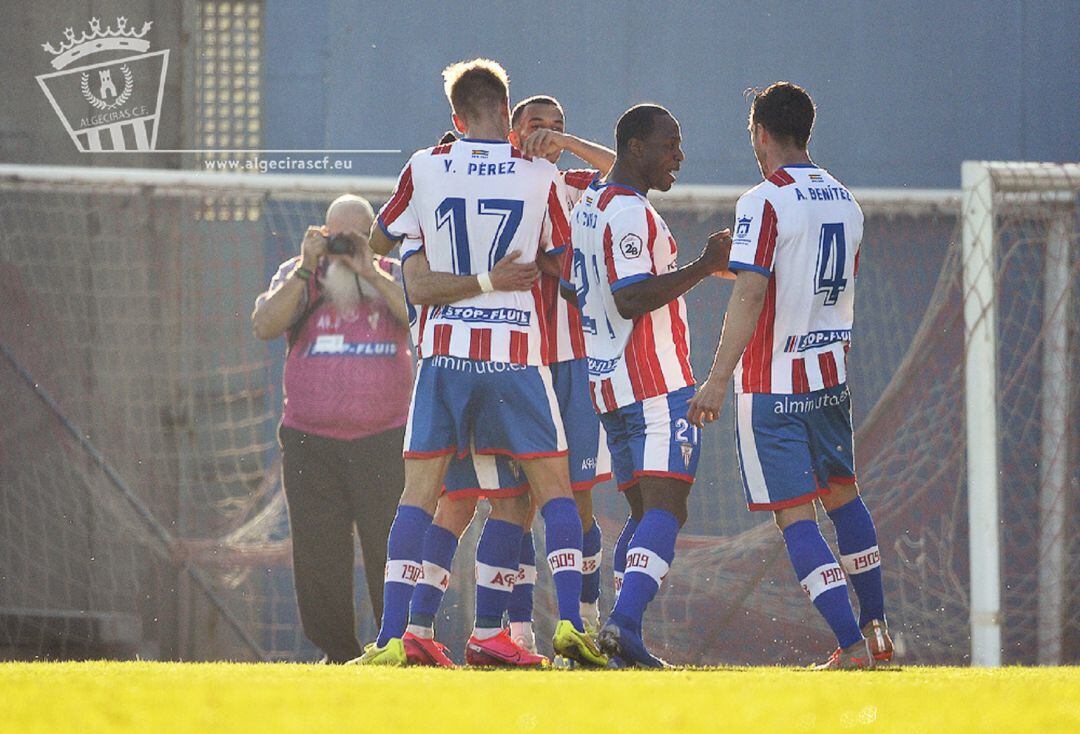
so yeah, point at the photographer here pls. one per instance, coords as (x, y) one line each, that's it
(348, 378)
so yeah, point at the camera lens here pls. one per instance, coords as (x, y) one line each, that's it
(340, 244)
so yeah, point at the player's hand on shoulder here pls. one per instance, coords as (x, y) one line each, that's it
(717, 252)
(708, 401)
(509, 275)
(543, 142)
(313, 246)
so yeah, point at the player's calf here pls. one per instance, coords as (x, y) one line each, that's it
(549, 481)
(822, 579)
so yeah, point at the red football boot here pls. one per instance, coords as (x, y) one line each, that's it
(503, 651)
(426, 651)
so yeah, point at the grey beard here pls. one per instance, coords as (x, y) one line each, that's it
(340, 285)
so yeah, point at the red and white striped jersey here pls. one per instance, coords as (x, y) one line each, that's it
(471, 203)
(567, 341)
(802, 229)
(622, 240)
(417, 314)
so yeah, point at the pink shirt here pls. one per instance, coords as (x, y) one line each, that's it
(349, 375)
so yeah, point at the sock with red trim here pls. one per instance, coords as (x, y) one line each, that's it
(496, 570)
(404, 549)
(440, 545)
(592, 544)
(822, 579)
(562, 536)
(652, 549)
(860, 557)
(618, 555)
(520, 608)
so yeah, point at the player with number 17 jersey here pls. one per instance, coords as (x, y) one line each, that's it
(474, 230)
(445, 198)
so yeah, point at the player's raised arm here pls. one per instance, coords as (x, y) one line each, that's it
(538, 128)
(546, 142)
(650, 293)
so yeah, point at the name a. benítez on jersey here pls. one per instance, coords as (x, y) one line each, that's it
(823, 193)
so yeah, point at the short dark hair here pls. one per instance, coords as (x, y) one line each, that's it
(785, 110)
(475, 86)
(519, 108)
(637, 122)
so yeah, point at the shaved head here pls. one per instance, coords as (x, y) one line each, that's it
(353, 215)
(349, 213)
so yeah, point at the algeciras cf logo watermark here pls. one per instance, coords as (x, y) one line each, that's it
(113, 104)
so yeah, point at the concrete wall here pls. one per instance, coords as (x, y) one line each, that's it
(905, 91)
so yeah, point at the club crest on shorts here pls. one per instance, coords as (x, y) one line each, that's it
(114, 104)
(687, 454)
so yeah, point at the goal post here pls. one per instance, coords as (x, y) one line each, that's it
(990, 190)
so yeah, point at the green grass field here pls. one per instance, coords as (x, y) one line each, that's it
(170, 697)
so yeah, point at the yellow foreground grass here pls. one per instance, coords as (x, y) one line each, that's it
(178, 697)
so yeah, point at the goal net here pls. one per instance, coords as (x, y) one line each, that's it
(140, 483)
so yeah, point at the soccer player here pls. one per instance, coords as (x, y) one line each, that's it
(496, 477)
(537, 125)
(638, 346)
(481, 384)
(785, 343)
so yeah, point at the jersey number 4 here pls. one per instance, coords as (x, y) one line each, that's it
(831, 263)
(451, 214)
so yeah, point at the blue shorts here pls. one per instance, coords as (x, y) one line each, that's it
(484, 475)
(461, 406)
(652, 438)
(590, 463)
(791, 447)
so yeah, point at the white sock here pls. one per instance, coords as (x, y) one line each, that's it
(485, 633)
(427, 633)
(590, 613)
(519, 630)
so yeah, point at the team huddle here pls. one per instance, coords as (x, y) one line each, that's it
(547, 311)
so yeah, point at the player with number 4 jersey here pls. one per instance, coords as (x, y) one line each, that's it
(784, 345)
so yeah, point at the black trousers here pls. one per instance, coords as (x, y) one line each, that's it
(330, 486)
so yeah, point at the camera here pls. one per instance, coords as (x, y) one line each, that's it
(341, 244)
